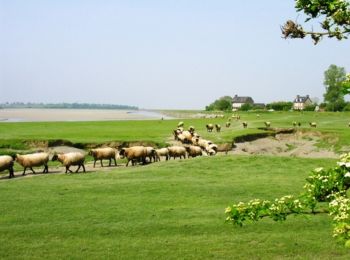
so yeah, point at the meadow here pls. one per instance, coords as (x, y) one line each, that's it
(164, 210)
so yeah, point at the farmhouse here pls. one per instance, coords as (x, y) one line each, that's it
(301, 102)
(237, 101)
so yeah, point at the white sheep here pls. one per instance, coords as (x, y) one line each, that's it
(162, 152)
(180, 124)
(267, 124)
(209, 127)
(313, 124)
(151, 153)
(6, 163)
(218, 128)
(69, 159)
(106, 153)
(33, 160)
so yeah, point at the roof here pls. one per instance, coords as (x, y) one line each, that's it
(237, 99)
(301, 99)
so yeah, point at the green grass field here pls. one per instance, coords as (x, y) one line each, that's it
(169, 210)
(166, 210)
(158, 132)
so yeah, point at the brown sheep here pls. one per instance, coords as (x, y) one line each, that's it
(134, 154)
(69, 159)
(245, 124)
(151, 153)
(228, 124)
(177, 151)
(218, 128)
(33, 160)
(194, 151)
(6, 163)
(106, 153)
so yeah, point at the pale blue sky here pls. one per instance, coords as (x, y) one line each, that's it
(157, 54)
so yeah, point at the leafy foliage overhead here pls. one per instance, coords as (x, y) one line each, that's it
(333, 14)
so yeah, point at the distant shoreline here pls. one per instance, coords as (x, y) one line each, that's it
(83, 114)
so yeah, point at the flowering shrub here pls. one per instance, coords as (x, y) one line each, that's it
(322, 186)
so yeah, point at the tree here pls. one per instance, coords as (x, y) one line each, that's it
(333, 14)
(224, 104)
(333, 81)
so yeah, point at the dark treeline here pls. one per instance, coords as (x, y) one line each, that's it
(65, 105)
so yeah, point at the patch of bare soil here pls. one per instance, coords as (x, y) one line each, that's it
(297, 144)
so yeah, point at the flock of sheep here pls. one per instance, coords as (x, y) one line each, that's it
(192, 145)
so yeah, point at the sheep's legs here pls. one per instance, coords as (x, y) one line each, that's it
(32, 170)
(46, 169)
(115, 161)
(128, 163)
(67, 169)
(24, 171)
(78, 168)
(83, 167)
(11, 173)
(94, 163)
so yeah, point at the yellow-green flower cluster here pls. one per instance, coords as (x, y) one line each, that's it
(339, 209)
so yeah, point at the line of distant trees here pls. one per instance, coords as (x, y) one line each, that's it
(65, 105)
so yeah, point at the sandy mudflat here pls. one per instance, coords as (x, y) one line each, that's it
(32, 115)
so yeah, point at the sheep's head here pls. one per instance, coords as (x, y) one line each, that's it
(122, 153)
(54, 157)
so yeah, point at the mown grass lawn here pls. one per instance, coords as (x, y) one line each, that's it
(167, 210)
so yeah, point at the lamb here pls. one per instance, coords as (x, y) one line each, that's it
(267, 124)
(194, 151)
(218, 128)
(107, 153)
(69, 159)
(162, 152)
(313, 124)
(177, 151)
(210, 127)
(151, 153)
(33, 160)
(134, 154)
(6, 163)
(245, 124)
(228, 124)
(180, 124)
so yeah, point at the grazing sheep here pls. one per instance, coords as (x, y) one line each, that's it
(294, 124)
(162, 152)
(218, 128)
(33, 160)
(299, 124)
(204, 143)
(257, 115)
(313, 124)
(151, 153)
(229, 119)
(228, 124)
(245, 124)
(211, 149)
(194, 151)
(134, 154)
(349, 125)
(180, 124)
(188, 136)
(69, 159)
(209, 127)
(177, 151)
(267, 124)
(6, 163)
(107, 153)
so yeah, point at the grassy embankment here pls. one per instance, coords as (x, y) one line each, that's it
(168, 210)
